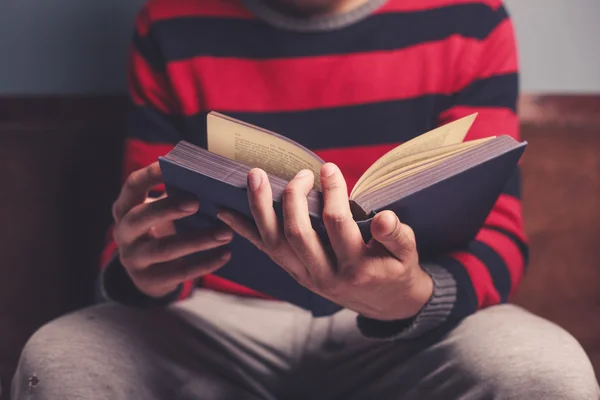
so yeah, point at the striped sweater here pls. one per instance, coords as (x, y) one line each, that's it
(349, 86)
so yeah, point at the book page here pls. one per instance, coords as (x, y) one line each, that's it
(409, 172)
(445, 135)
(260, 148)
(397, 166)
(406, 172)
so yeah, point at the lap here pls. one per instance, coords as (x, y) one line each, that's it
(502, 352)
(114, 352)
(217, 346)
(105, 345)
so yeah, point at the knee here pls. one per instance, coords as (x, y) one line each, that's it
(54, 352)
(553, 368)
(67, 342)
(514, 354)
(85, 346)
(50, 346)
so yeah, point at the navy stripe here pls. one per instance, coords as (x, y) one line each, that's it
(375, 123)
(496, 91)
(147, 49)
(368, 124)
(365, 124)
(495, 265)
(187, 37)
(513, 185)
(152, 126)
(523, 247)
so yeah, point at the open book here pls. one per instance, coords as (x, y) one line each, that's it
(439, 184)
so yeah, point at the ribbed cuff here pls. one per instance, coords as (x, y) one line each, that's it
(116, 285)
(433, 314)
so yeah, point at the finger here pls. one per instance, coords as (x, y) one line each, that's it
(162, 230)
(260, 198)
(154, 251)
(135, 189)
(163, 278)
(142, 217)
(396, 237)
(283, 255)
(298, 229)
(343, 232)
(242, 226)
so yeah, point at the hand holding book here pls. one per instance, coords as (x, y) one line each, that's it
(440, 185)
(380, 279)
(154, 257)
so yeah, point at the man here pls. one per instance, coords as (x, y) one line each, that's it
(350, 79)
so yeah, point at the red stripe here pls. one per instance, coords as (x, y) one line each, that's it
(186, 290)
(511, 208)
(140, 154)
(354, 161)
(223, 285)
(483, 285)
(420, 5)
(507, 214)
(508, 251)
(160, 10)
(497, 54)
(142, 22)
(148, 87)
(489, 122)
(108, 252)
(233, 84)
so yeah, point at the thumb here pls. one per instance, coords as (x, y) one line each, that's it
(396, 237)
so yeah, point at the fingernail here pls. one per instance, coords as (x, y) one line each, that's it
(389, 221)
(303, 173)
(254, 179)
(189, 205)
(328, 169)
(224, 217)
(223, 235)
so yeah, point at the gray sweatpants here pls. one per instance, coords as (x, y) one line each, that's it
(218, 346)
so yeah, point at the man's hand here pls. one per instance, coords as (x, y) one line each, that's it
(381, 279)
(145, 235)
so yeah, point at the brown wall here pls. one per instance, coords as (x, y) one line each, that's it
(561, 199)
(59, 168)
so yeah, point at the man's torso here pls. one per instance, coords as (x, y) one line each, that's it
(350, 93)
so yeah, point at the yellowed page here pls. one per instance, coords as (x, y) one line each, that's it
(407, 172)
(445, 135)
(259, 148)
(414, 159)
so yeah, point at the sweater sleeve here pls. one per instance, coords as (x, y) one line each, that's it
(490, 268)
(153, 129)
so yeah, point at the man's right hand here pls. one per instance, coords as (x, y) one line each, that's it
(149, 249)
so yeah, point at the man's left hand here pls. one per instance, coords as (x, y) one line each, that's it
(381, 279)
